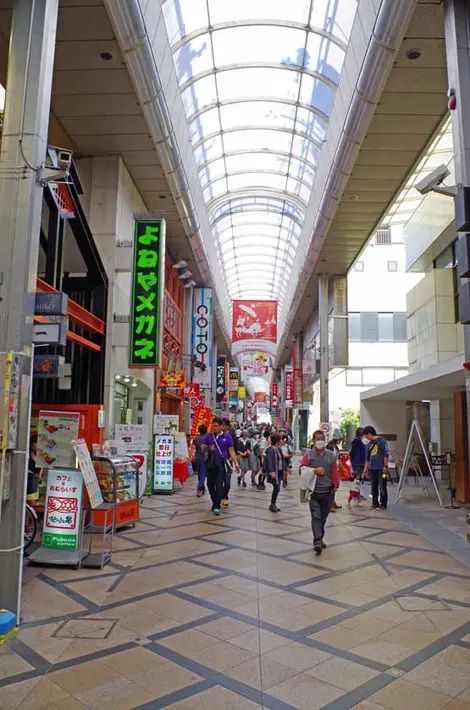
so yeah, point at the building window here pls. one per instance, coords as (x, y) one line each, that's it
(355, 327)
(383, 236)
(369, 327)
(392, 265)
(377, 327)
(373, 376)
(359, 266)
(386, 327)
(399, 328)
(354, 376)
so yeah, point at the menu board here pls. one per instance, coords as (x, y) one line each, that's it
(88, 472)
(56, 431)
(163, 463)
(62, 509)
(131, 438)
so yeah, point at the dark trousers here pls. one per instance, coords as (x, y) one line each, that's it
(215, 479)
(227, 480)
(378, 485)
(320, 506)
(275, 493)
(202, 474)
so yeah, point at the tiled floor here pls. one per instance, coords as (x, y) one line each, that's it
(237, 612)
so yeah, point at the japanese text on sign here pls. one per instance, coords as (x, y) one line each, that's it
(147, 284)
(163, 463)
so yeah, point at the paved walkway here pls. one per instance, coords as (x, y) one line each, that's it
(236, 612)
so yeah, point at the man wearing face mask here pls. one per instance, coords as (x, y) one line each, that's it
(323, 461)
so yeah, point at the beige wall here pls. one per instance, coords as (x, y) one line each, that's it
(433, 334)
(110, 199)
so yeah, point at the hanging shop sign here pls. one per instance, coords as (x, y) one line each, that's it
(338, 348)
(220, 391)
(54, 303)
(145, 343)
(241, 392)
(254, 327)
(56, 431)
(63, 507)
(227, 382)
(49, 333)
(260, 397)
(192, 389)
(234, 377)
(202, 336)
(176, 379)
(274, 395)
(163, 463)
(166, 423)
(202, 415)
(47, 365)
(254, 364)
(90, 478)
(288, 387)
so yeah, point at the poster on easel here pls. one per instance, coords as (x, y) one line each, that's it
(416, 437)
(90, 478)
(56, 431)
(163, 463)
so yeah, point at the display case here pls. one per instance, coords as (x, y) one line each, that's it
(118, 477)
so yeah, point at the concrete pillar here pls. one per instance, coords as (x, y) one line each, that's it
(457, 39)
(24, 144)
(324, 359)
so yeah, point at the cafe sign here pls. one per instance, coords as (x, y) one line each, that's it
(145, 342)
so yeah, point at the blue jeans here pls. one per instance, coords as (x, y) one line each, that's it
(202, 474)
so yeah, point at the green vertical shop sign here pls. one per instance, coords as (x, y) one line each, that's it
(147, 293)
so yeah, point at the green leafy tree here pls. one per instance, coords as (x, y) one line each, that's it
(350, 417)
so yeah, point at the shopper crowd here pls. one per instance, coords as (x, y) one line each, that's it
(263, 455)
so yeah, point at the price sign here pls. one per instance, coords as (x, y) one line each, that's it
(163, 463)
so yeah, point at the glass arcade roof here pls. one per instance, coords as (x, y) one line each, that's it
(257, 78)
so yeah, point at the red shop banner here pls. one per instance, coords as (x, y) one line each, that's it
(192, 389)
(202, 415)
(274, 395)
(298, 388)
(289, 388)
(254, 326)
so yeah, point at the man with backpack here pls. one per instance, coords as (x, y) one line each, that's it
(376, 467)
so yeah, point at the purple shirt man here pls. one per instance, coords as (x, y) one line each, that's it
(224, 443)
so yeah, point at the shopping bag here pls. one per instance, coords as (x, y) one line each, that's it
(364, 489)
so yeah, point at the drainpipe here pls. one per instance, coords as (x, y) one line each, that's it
(390, 25)
(129, 25)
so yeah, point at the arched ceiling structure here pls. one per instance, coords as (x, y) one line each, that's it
(258, 80)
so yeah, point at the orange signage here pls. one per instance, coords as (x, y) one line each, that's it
(202, 415)
(260, 397)
(176, 379)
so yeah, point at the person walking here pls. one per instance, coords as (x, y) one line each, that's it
(272, 468)
(255, 457)
(324, 463)
(335, 445)
(286, 451)
(243, 454)
(376, 467)
(220, 452)
(199, 462)
(264, 443)
(357, 453)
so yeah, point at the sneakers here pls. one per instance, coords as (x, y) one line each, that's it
(239, 480)
(244, 484)
(216, 511)
(374, 507)
(323, 545)
(382, 507)
(224, 503)
(261, 487)
(274, 509)
(200, 493)
(318, 549)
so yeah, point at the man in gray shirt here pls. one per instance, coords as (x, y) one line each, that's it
(323, 461)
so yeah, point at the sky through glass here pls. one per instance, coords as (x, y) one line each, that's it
(257, 78)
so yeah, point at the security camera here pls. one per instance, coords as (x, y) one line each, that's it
(64, 159)
(429, 182)
(56, 167)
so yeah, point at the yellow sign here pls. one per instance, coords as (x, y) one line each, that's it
(241, 392)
